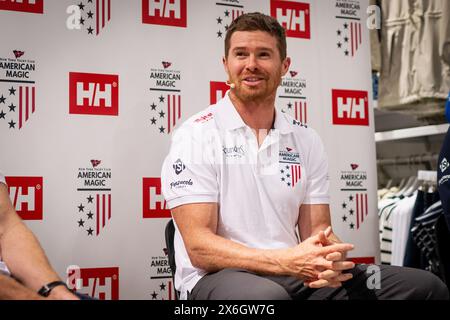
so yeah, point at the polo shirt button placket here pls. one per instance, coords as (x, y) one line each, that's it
(268, 157)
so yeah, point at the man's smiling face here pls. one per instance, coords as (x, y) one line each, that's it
(254, 65)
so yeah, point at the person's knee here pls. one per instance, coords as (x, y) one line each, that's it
(428, 286)
(267, 291)
(238, 284)
(437, 289)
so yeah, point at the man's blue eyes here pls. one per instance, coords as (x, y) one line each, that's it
(242, 54)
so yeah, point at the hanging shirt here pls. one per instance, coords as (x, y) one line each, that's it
(400, 228)
(215, 158)
(415, 49)
(444, 177)
(385, 229)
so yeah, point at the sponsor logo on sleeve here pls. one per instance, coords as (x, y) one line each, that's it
(179, 166)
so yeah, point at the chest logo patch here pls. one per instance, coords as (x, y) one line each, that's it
(290, 167)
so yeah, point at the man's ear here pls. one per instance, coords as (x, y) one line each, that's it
(285, 65)
(225, 64)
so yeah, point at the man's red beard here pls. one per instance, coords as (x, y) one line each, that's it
(261, 91)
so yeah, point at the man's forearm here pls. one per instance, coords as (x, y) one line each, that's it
(22, 253)
(25, 258)
(10, 289)
(212, 253)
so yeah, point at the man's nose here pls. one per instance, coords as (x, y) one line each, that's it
(252, 63)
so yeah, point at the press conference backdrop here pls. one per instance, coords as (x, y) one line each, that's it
(91, 92)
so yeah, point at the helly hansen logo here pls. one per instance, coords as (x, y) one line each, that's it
(100, 283)
(350, 107)
(26, 196)
(217, 91)
(154, 205)
(293, 16)
(165, 12)
(94, 94)
(30, 6)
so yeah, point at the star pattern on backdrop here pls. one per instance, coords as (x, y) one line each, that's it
(158, 116)
(224, 19)
(85, 214)
(348, 207)
(8, 106)
(87, 20)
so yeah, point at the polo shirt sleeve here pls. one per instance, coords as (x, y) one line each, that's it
(317, 185)
(187, 175)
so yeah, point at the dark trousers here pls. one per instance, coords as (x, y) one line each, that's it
(368, 283)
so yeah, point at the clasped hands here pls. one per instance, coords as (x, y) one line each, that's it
(320, 262)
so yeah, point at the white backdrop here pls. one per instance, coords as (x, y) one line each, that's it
(83, 163)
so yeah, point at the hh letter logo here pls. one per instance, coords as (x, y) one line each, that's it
(92, 93)
(165, 12)
(154, 205)
(217, 91)
(26, 196)
(350, 107)
(100, 283)
(293, 16)
(31, 6)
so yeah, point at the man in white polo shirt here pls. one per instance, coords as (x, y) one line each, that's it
(248, 190)
(24, 270)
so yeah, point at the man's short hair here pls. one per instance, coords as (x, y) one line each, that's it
(257, 21)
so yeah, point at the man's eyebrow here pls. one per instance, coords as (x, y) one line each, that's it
(258, 48)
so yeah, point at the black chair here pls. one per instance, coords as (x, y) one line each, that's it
(170, 236)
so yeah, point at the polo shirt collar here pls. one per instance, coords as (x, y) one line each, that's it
(231, 120)
(282, 123)
(229, 117)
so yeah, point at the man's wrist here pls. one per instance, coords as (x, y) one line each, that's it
(62, 293)
(51, 287)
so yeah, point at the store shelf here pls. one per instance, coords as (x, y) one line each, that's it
(411, 132)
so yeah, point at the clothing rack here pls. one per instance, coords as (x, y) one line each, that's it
(411, 160)
(411, 132)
